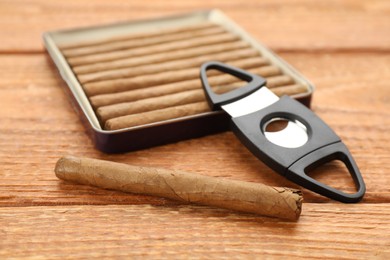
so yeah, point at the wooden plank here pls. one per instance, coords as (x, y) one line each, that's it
(38, 126)
(341, 46)
(333, 231)
(283, 25)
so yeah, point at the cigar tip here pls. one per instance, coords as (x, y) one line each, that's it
(298, 202)
(62, 164)
(108, 125)
(293, 199)
(100, 114)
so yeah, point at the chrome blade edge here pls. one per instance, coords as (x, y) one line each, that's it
(254, 102)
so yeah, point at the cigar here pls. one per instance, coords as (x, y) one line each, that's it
(118, 85)
(134, 36)
(147, 50)
(138, 94)
(159, 57)
(278, 81)
(290, 90)
(165, 66)
(186, 97)
(185, 187)
(155, 116)
(142, 42)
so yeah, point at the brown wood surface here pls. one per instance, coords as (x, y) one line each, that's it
(341, 46)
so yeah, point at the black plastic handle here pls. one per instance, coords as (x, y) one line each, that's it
(217, 100)
(337, 151)
(323, 145)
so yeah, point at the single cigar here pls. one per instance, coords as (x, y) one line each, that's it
(185, 187)
(134, 43)
(138, 94)
(165, 66)
(134, 36)
(159, 57)
(164, 47)
(279, 91)
(143, 81)
(290, 90)
(278, 81)
(144, 105)
(156, 116)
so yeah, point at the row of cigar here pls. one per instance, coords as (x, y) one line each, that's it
(145, 78)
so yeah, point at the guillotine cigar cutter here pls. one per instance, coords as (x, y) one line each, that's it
(305, 143)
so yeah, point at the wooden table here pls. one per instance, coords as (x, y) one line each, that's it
(343, 47)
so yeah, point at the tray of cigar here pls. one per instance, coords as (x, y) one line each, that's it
(136, 84)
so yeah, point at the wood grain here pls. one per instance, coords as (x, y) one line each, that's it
(39, 136)
(341, 46)
(333, 231)
(331, 25)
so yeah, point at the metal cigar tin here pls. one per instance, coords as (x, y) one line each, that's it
(164, 132)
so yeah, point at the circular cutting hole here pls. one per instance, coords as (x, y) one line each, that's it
(276, 125)
(286, 133)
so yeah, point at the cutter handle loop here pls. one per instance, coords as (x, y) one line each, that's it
(217, 100)
(336, 151)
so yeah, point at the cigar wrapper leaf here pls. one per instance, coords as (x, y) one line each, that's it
(183, 186)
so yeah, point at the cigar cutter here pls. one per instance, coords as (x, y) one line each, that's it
(304, 143)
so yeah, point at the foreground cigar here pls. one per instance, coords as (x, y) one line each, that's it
(182, 186)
